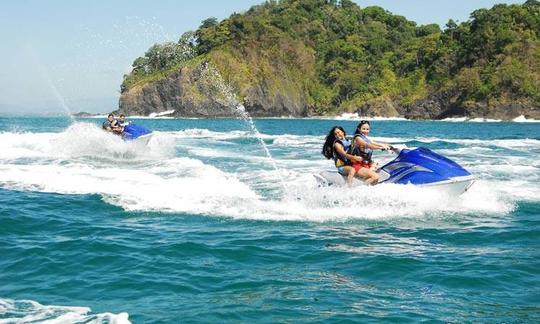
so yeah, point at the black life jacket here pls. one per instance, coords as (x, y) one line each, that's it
(341, 160)
(106, 124)
(359, 151)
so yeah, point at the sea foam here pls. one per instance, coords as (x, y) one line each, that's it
(29, 311)
(199, 171)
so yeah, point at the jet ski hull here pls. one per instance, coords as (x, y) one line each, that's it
(143, 139)
(452, 187)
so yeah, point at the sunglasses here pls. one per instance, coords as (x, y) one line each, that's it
(362, 123)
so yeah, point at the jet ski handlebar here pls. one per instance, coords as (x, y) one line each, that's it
(395, 149)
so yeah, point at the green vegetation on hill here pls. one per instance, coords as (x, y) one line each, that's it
(341, 57)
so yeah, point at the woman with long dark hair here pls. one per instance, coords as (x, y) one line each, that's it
(336, 146)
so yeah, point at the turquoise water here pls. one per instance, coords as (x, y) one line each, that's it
(199, 226)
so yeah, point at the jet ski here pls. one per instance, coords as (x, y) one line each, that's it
(420, 167)
(134, 132)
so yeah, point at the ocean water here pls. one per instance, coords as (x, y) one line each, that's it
(201, 225)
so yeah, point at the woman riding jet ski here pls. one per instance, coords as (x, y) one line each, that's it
(419, 167)
(353, 158)
(338, 148)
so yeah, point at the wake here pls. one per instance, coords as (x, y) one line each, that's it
(199, 172)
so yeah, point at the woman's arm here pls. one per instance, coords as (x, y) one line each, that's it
(381, 146)
(373, 145)
(341, 150)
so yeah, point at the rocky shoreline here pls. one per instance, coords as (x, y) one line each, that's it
(186, 93)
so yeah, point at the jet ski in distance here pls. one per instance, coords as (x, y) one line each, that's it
(420, 167)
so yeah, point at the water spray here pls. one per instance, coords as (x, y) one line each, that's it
(46, 76)
(228, 98)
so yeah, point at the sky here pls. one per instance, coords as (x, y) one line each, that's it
(67, 56)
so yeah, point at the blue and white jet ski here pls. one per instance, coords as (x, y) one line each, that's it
(419, 167)
(133, 132)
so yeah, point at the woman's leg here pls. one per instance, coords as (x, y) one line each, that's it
(350, 172)
(370, 176)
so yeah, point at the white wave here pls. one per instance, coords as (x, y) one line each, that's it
(95, 116)
(484, 120)
(150, 117)
(506, 169)
(281, 139)
(519, 119)
(454, 119)
(21, 145)
(279, 117)
(310, 141)
(472, 150)
(391, 140)
(162, 114)
(346, 116)
(505, 143)
(198, 133)
(191, 186)
(186, 185)
(376, 203)
(29, 311)
(305, 141)
(470, 120)
(355, 116)
(386, 118)
(317, 141)
(81, 140)
(522, 119)
(298, 141)
(85, 160)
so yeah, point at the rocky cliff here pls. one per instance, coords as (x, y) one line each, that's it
(198, 92)
(182, 91)
(444, 105)
(189, 94)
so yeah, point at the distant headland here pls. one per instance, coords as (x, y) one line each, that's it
(327, 57)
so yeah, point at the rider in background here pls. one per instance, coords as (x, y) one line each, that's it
(108, 124)
(122, 120)
(111, 125)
